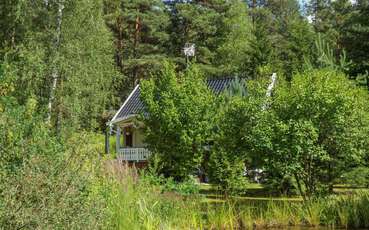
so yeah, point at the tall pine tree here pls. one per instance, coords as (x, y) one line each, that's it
(220, 31)
(283, 37)
(140, 34)
(355, 34)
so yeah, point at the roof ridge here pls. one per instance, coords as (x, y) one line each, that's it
(133, 105)
(220, 78)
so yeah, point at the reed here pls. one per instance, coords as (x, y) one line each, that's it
(133, 203)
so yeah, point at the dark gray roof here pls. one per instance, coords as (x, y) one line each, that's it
(133, 105)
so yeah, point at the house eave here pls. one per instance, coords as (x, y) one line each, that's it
(114, 120)
(121, 119)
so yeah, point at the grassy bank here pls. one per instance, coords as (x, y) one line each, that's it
(134, 203)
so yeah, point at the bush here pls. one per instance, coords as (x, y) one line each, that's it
(187, 187)
(281, 185)
(45, 182)
(228, 172)
(239, 135)
(319, 129)
(357, 177)
(179, 120)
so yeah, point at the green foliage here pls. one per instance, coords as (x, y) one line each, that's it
(319, 130)
(86, 66)
(294, 39)
(187, 187)
(178, 115)
(262, 43)
(238, 134)
(45, 183)
(325, 58)
(140, 36)
(358, 176)
(135, 204)
(343, 25)
(354, 35)
(282, 38)
(280, 184)
(227, 171)
(80, 58)
(219, 29)
(234, 37)
(236, 88)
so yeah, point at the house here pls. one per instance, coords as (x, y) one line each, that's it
(130, 144)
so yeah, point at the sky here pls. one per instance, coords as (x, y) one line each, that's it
(302, 1)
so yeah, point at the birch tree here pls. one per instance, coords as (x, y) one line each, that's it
(64, 60)
(55, 72)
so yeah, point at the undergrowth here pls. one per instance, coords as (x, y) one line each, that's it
(135, 203)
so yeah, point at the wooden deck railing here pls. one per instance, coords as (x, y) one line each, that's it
(133, 154)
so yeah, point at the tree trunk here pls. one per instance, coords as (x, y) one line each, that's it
(119, 44)
(55, 72)
(135, 45)
(300, 188)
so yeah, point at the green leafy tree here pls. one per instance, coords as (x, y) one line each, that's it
(86, 66)
(227, 171)
(238, 135)
(62, 57)
(178, 118)
(319, 131)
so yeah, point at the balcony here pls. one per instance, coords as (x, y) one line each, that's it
(133, 154)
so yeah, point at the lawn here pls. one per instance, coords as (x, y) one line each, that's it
(257, 192)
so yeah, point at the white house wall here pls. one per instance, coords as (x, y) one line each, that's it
(138, 136)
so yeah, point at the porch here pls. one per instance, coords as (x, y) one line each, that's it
(133, 154)
(130, 144)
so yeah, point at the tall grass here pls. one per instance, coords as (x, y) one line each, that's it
(134, 203)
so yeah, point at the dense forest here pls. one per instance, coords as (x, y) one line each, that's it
(66, 66)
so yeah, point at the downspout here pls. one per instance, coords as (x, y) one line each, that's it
(107, 138)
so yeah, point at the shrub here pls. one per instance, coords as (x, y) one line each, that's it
(277, 184)
(227, 172)
(357, 177)
(177, 119)
(187, 187)
(320, 127)
(45, 182)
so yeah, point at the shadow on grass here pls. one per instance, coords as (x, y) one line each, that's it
(255, 192)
